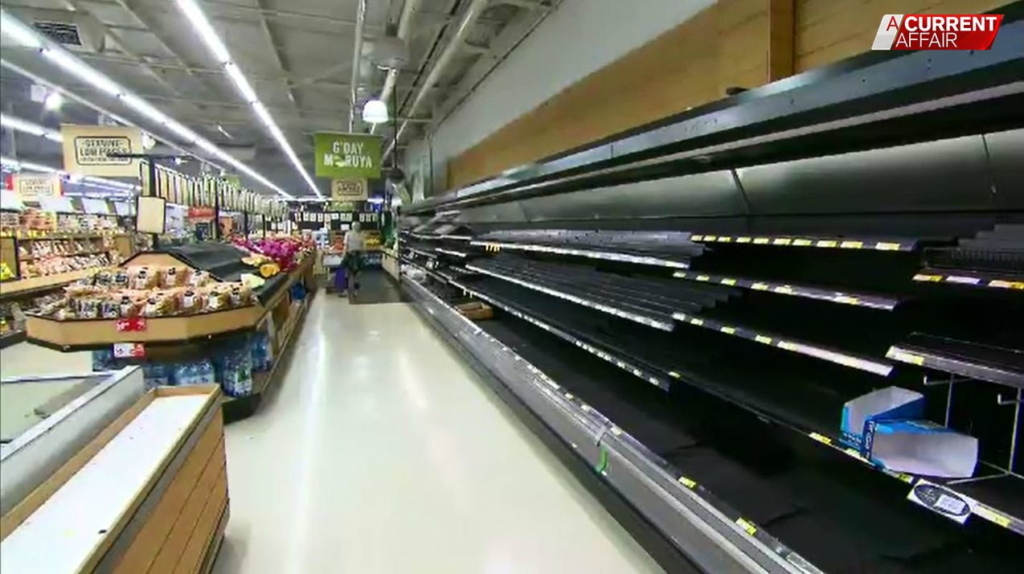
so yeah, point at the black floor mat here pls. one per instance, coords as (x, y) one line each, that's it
(376, 287)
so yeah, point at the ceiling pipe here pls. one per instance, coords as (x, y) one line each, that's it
(476, 8)
(357, 58)
(405, 22)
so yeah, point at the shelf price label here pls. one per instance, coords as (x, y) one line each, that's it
(131, 325)
(129, 350)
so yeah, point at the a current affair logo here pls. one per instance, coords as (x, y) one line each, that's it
(937, 31)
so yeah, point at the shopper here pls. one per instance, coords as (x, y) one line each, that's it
(353, 259)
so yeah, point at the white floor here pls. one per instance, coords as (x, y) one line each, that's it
(382, 453)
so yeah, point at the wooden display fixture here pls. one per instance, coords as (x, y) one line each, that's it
(68, 335)
(85, 334)
(18, 287)
(166, 514)
(26, 286)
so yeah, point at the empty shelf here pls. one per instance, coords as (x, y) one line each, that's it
(782, 288)
(876, 244)
(972, 360)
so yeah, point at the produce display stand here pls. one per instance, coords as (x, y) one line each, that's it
(118, 480)
(181, 338)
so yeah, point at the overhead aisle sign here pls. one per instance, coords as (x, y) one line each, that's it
(342, 156)
(87, 150)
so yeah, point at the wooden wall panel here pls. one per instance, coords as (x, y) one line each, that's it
(692, 64)
(727, 44)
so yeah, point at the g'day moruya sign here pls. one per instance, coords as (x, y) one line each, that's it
(341, 156)
(88, 150)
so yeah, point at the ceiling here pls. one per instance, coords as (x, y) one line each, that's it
(297, 55)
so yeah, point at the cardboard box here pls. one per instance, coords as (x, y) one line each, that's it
(888, 428)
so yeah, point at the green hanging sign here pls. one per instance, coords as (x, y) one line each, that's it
(340, 155)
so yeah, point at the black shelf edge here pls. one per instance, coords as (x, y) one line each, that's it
(931, 359)
(451, 252)
(588, 253)
(969, 279)
(620, 362)
(869, 244)
(642, 319)
(788, 344)
(792, 289)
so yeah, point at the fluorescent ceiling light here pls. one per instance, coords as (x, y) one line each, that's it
(18, 165)
(30, 128)
(80, 69)
(53, 101)
(115, 119)
(205, 30)
(248, 94)
(74, 66)
(219, 51)
(19, 31)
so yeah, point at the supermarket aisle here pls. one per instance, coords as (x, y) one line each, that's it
(381, 453)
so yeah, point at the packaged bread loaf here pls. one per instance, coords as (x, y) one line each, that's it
(172, 277)
(143, 277)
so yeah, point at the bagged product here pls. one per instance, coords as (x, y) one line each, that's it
(120, 279)
(128, 307)
(217, 298)
(198, 279)
(143, 277)
(158, 305)
(191, 301)
(174, 277)
(89, 308)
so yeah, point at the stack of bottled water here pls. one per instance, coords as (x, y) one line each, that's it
(194, 373)
(234, 369)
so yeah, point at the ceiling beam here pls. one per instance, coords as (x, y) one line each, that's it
(127, 6)
(291, 81)
(119, 44)
(278, 58)
(521, 26)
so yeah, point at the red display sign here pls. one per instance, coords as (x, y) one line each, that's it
(131, 325)
(200, 212)
(937, 31)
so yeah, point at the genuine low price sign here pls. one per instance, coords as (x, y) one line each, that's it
(341, 156)
(87, 150)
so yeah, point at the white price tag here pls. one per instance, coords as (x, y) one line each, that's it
(129, 350)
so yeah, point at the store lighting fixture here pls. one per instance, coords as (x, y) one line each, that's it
(70, 63)
(375, 112)
(18, 165)
(21, 125)
(53, 101)
(220, 53)
(106, 117)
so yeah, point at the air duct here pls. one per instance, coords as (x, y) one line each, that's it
(75, 31)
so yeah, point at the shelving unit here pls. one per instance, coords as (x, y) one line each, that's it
(807, 208)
